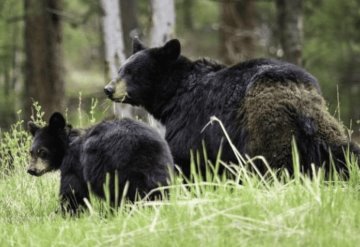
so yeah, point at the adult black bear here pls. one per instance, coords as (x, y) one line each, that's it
(130, 149)
(262, 103)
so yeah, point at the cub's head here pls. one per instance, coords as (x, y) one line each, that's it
(140, 75)
(48, 146)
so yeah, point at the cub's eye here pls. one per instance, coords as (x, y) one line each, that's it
(42, 153)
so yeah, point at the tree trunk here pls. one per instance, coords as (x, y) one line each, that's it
(113, 38)
(290, 29)
(162, 29)
(44, 81)
(237, 30)
(114, 47)
(163, 21)
(129, 22)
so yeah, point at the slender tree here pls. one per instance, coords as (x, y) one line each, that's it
(290, 29)
(114, 46)
(237, 30)
(113, 37)
(162, 29)
(44, 74)
(163, 21)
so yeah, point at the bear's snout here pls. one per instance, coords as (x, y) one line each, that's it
(33, 171)
(109, 90)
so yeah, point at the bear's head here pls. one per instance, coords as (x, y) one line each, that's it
(140, 76)
(48, 146)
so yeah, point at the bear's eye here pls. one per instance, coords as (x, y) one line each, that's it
(42, 153)
(128, 71)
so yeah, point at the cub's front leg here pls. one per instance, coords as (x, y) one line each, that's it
(73, 191)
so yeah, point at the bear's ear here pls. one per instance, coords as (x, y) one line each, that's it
(171, 50)
(137, 45)
(57, 121)
(32, 127)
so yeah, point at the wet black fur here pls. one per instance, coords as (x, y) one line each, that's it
(184, 94)
(132, 149)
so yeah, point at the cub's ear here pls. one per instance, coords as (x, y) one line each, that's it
(171, 50)
(57, 121)
(137, 45)
(32, 127)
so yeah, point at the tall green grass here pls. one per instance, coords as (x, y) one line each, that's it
(209, 210)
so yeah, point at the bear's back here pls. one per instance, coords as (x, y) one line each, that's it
(263, 70)
(129, 147)
(220, 91)
(121, 133)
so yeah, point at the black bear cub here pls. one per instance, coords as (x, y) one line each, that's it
(127, 150)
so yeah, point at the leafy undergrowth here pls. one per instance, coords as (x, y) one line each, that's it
(272, 211)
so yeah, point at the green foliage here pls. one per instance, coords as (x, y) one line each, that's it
(14, 146)
(331, 42)
(89, 113)
(10, 58)
(38, 116)
(82, 35)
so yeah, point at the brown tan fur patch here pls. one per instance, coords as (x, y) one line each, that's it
(270, 112)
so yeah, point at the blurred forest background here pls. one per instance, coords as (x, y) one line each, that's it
(51, 50)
